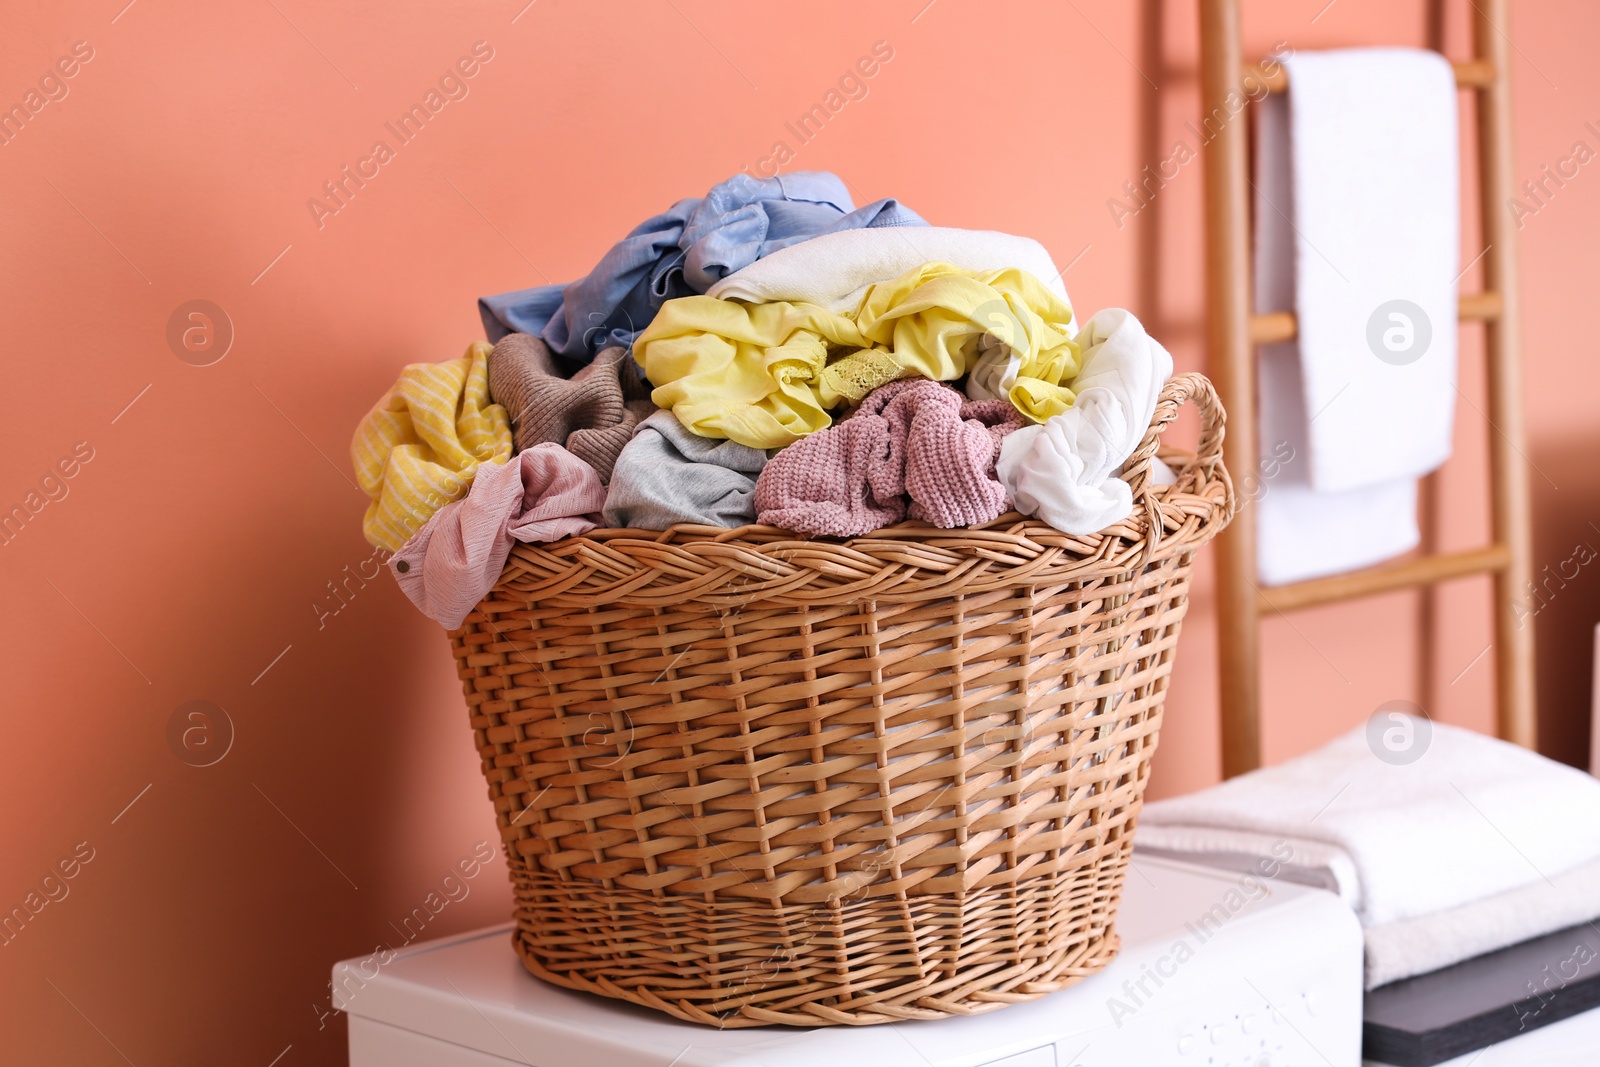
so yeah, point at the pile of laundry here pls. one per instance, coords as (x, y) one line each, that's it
(766, 353)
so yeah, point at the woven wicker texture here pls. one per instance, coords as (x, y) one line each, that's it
(749, 779)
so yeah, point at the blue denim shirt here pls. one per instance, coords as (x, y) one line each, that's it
(684, 250)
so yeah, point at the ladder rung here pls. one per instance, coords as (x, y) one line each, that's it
(1277, 326)
(1481, 307)
(1470, 74)
(1406, 574)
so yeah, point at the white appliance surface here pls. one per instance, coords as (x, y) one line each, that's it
(1216, 970)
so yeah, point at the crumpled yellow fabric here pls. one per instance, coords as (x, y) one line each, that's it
(419, 447)
(748, 372)
(767, 374)
(936, 317)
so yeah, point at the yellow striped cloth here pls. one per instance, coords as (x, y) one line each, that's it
(418, 449)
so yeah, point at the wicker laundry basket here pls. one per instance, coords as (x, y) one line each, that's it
(746, 778)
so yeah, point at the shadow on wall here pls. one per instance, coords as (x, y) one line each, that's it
(1564, 602)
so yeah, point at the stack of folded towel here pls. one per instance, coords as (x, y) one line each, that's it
(1474, 846)
(768, 352)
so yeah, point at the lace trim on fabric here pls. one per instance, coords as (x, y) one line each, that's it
(859, 373)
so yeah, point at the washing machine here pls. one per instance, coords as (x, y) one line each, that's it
(1215, 971)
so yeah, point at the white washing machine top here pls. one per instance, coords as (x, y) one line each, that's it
(1216, 970)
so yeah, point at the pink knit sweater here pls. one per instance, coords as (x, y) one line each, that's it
(913, 438)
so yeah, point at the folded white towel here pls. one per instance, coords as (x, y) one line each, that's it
(834, 270)
(1471, 818)
(1357, 205)
(1407, 947)
(1064, 470)
(1416, 946)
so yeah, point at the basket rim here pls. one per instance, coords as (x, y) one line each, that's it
(909, 561)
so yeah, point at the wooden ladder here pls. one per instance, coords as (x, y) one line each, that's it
(1233, 332)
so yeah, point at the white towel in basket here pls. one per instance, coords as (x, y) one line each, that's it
(834, 270)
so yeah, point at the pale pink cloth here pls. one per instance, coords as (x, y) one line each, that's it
(542, 494)
(911, 437)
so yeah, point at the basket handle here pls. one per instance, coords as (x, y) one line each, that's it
(1181, 389)
(1207, 464)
